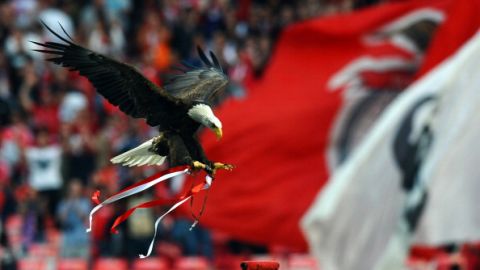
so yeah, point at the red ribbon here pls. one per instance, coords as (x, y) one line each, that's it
(130, 211)
(194, 190)
(96, 197)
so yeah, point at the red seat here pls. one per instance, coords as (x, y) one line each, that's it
(228, 262)
(54, 237)
(260, 265)
(169, 250)
(150, 264)
(192, 263)
(302, 262)
(14, 224)
(447, 261)
(72, 264)
(31, 263)
(110, 264)
(42, 250)
(424, 253)
(414, 264)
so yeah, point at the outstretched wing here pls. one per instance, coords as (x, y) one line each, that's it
(198, 84)
(121, 84)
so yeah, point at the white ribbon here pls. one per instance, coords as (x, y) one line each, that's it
(157, 222)
(208, 184)
(130, 192)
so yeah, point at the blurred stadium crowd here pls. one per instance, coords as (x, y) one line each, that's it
(57, 134)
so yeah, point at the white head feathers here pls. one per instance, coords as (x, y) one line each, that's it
(203, 114)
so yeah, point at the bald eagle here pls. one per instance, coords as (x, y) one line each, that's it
(179, 109)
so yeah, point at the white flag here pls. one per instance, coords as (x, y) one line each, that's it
(420, 160)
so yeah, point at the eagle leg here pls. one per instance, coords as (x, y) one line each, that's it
(197, 165)
(158, 145)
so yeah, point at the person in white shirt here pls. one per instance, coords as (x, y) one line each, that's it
(44, 168)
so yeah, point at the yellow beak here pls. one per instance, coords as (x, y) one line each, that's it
(218, 132)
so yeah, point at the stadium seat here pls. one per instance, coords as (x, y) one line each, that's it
(228, 262)
(54, 237)
(169, 250)
(471, 253)
(192, 263)
(150, 264)
(260, 265)
(110, 264)
(13, 229)
(302, 262)
(415, 264)
(14, 223)
(425, 253)
(450, 261)
(282, 260)
(72, 264)
(32, 263)
(42, 250)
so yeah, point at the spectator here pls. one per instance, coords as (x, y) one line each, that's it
(14, 138)
(34, 214)
(44, 162)
(72, 104)
(79, 147)
(7, 208)
(197, 242)
(72, 214)
(139, 230)
(51, 12)
(39, 99)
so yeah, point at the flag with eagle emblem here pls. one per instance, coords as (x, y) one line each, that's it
(413, 181)
(327, 82)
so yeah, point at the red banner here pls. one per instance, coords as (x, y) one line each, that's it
(297, 123)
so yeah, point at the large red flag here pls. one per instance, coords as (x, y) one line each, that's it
(284, 137)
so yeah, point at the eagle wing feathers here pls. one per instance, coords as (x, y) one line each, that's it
(138, 156)
(198, 84)
(121, 84)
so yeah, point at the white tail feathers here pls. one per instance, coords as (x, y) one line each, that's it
(139, 156)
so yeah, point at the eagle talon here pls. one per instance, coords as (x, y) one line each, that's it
(155, 143)
(219, 165)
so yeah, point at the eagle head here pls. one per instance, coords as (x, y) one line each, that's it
(203, 114)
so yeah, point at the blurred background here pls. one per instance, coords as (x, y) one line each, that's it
(57, 134)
